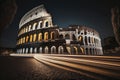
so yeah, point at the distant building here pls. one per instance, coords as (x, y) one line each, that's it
(37, 34)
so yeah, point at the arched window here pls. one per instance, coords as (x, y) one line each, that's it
(87, 51)
(26, 50)
(27, 39)
(86, 40)
(39, 36)
(31, 38)
(35, 50)
(34, 26)
(31, 50)
(46, 50)
(46, 36)
(53, 49)
(89, 39)
(67, 36)
(24, 40)
(81, 50)
(29, 28)
(52, 35)
(46, 24)
(34, 38)
(60, 50)
(75, 50)
(41, 24)
(40, 50)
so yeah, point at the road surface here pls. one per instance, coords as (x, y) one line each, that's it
(95, 67)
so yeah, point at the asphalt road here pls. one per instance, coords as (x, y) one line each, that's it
(22, 68)
(95, 67)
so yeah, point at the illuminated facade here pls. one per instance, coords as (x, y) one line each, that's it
(37, 34)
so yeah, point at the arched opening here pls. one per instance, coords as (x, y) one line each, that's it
(46, 50)
(31, 38)
(75, 50)
(27, 39)
(46, 24)
(90, 51)
(52, 35)
(46, 36)
(39, 36)
(29, 28)
(60, 50)
(34, 37)
(89, 39)
(87, 51)
(41, 25)
(81, 50)
(24, 40)
(86, 40)
(80, 38)
(31, 50)
(67, 36)
(23, 50)
(35, 50)
(40, 50)
(53, 49)
(34, 26)
(26, 50)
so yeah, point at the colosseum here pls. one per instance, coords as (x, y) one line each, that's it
(37, 34)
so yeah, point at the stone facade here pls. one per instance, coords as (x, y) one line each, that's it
(37, 34)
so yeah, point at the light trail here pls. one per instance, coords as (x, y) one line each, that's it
(73, 64)
(95, 67)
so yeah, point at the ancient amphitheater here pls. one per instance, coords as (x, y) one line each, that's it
(37, 34)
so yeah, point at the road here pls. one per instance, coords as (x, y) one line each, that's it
(94, 67)
(27, 68)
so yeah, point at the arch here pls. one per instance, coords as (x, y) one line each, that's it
(46, 50)
(31, 50)
(29, 28)
(86, 42)
(26, 50)
(46, 24)
(75, 50)
(40, 50)
(35, 50)
(53, 49)
(52, 34)
(23, 39)
(31, 38)
(81, 50)
(27, 37)
(46, 36)
(60, 49)
(67, 36)
(39, 36)
(90, 51)
(23, 50)
(34, 26)
(34, 37)
(89, 40)
(80, 38)
(39, 25)
(87, 51)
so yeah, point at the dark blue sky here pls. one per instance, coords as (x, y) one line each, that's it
(93, 13)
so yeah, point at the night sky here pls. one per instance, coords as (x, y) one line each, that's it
(93, 13)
